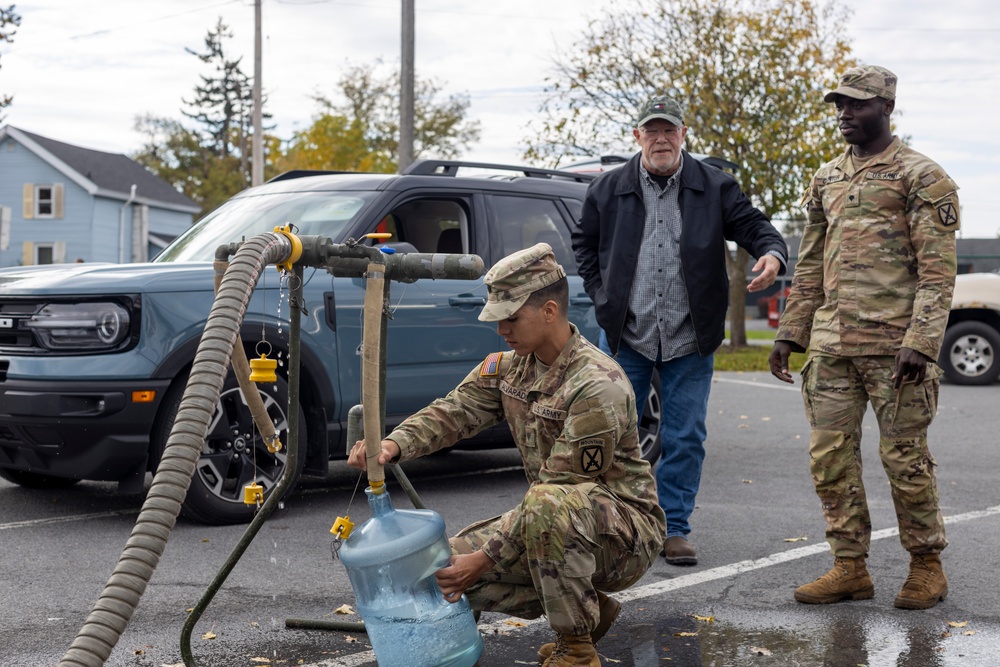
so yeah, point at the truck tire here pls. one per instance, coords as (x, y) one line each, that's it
(969, 353)
(234, 454)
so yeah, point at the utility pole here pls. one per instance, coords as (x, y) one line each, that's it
(257, 152)
(406, 88)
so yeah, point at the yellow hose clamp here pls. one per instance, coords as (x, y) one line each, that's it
(253, 494)
(286, 231)
(263, 370)
(273, 443)
(342, 527)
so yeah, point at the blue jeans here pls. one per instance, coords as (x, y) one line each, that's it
(684, 386)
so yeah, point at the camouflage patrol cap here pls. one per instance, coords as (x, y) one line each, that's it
(516, 277)
(660, 107)
(864, 83)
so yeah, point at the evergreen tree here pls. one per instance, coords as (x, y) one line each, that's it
(8, 22)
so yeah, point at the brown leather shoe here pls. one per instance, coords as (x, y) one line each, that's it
(609, 610)
(848, 579)
(678, 551)
(926, 584)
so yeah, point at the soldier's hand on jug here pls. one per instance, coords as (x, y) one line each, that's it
(463, 571)
(768, 265)
(779, 360)
(911, 366)
(357, 458)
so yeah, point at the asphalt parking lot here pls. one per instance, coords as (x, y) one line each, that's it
(757, 527)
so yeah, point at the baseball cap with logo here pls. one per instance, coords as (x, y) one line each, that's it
(864, 83)
(516, 277)
(660, 107)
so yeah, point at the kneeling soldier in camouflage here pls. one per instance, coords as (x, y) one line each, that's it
(589, 522)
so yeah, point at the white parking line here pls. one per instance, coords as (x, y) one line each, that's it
(777, 384)
(685, 581)
(65, 519)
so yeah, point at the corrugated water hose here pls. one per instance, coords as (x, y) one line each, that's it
(116, 604)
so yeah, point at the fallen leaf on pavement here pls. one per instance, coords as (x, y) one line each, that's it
(958, 624)
(685, 634)
(760, 650)
(209, 635)
(796, 539)
(344, 609)
(516, 624)
(707, 619)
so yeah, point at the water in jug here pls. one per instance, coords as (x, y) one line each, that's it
(391, 560)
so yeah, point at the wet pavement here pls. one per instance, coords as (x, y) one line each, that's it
(757, 528)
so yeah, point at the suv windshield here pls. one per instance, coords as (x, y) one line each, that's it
(312, 213)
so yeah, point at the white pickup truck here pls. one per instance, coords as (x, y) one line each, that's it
(972, 340)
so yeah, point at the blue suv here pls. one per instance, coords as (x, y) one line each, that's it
(94, 357)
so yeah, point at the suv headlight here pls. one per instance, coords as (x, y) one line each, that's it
(80, 326)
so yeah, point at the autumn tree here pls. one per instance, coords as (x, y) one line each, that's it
(359, 129)
(9, 21)
(751, 74)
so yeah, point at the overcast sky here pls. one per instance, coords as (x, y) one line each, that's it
(81, 71)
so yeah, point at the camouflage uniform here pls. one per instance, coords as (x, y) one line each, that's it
(589, 519)
(875, 273)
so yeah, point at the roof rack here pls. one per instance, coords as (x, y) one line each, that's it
(302, 173)
(430, 167)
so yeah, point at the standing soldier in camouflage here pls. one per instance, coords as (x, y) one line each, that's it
(589, 522)
(870, 299)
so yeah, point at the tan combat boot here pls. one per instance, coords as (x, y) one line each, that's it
(573, 651)
(609, 609)
(926, 584)
(848, 580)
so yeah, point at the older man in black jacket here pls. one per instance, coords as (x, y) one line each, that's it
(650, 248)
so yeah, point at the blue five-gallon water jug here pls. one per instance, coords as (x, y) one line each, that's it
(391, 562)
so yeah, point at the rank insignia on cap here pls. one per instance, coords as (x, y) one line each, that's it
(491, 366)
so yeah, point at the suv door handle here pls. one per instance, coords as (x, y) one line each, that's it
(466, 300)
(581, 300)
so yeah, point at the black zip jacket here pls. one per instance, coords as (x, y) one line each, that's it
(713, 210)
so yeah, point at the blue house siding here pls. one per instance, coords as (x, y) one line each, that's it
(20, 167)
(96, 197)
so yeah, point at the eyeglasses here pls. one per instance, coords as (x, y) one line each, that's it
(671, 131)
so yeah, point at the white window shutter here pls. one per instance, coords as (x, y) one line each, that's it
(59, 252)
(29, 201)
(4, 227)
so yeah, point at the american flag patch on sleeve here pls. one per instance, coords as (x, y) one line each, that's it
(491, 366)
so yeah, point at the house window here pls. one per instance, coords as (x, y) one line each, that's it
(44, 253)
(44, 201)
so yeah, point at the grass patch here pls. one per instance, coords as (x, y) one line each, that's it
(752, 358)
(758, 334)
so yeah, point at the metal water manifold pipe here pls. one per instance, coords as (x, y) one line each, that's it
(116, 604)
(114, 608)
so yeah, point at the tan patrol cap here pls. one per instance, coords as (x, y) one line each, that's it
(864, 83)
(516, 277)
